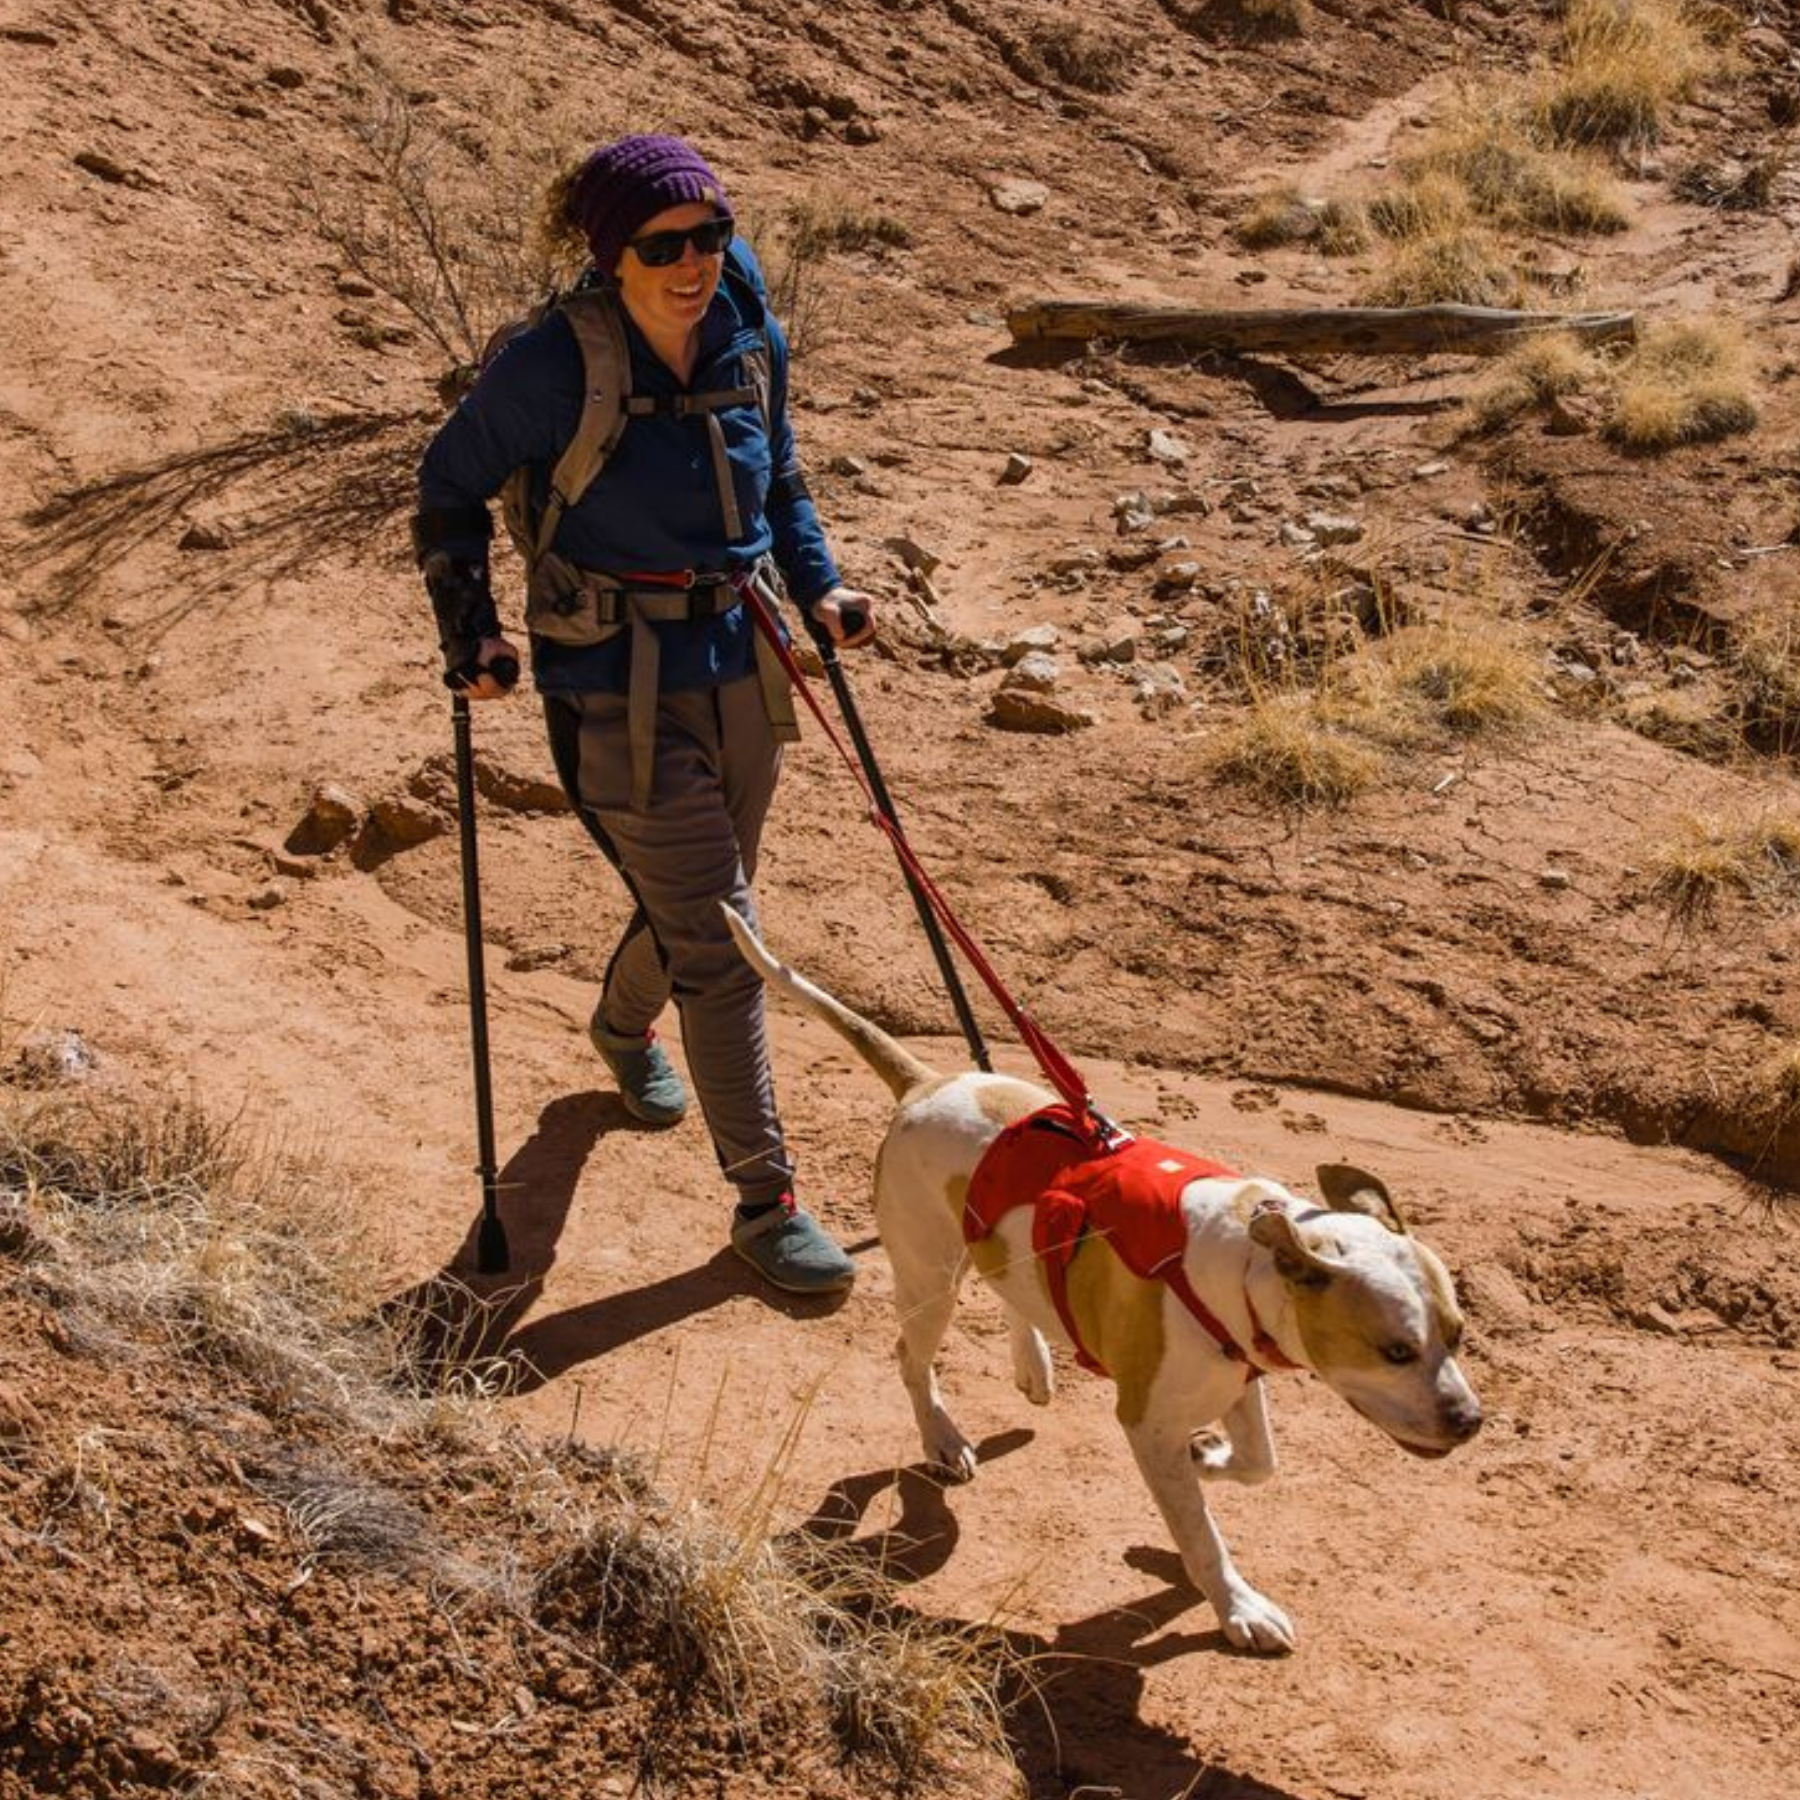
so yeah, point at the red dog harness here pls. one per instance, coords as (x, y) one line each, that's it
(1130, 1195)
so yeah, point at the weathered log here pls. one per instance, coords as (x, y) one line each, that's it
(1352, 330)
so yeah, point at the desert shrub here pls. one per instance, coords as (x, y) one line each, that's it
(1686, 383)
(1542, 368)
(1098, 61)
(796, 249)
(1475, 680)
(1732, 186)
(1291, 749)
(238, 1289)
(1278, 18)
(1623, 65)
(1282, 217)
(1765, 680)
(1460, 263)
(1707, 858)
(1277, 218)
(451, 226)
(1487, 147)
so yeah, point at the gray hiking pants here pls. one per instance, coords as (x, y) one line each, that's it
(694, 846)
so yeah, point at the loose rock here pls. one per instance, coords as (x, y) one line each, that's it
(1160, 690)
(1166, 448)
(1016, 470)
(913, 555)
(331, 816)
(1036, 672)
(1018, 197)
(1016, 709)
(202, 535)
(1034, 638)
(1333, 528)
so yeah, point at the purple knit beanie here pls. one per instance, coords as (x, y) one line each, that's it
(623, 184)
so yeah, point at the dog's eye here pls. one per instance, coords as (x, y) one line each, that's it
(1400, 1353)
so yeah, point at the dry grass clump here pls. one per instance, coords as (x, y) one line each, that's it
(1709, 858)
(1775, 1094)
(1510, 176)
(1290, 749)
(1765, 678)
(1243, 18)
(1282, 217)
(166, 1225)
(1624, 64)
(1733, 186)
(222, 1275)
(1097, 61)
(1544, 367)
(1475, 680)
(1464, 264)
(1685, 383)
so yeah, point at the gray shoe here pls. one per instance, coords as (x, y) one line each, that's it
(648, 1083)
(791, 1250)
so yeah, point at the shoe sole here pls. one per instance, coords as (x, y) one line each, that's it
(840, 1286)
(646, 1117)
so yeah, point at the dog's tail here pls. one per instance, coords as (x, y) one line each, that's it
(895, 1064)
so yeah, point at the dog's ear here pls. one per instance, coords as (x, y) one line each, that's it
(1295, 1259)
(1348, 1189)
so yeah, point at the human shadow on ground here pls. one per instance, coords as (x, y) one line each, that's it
(464, 1325)
(1073, 1701)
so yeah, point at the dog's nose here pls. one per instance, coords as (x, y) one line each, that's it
(1464, 1421)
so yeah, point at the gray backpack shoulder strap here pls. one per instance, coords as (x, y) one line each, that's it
(593, 316)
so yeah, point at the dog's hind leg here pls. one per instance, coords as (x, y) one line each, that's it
(1032, 1370)
(1159, 1441)
(1247, 1451)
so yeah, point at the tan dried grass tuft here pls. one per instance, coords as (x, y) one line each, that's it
(1100, 61)
(1544, 367)
(1623, 65)
(1488, 148)
(1465, 264)
(1708, 858)
(1685, 383)
(243, 1287)
(1283, 217)
(1765, 679)
(1476, 680)
(1290, 749)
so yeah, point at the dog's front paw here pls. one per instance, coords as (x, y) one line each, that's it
(947, 1450)
(1258, 1625)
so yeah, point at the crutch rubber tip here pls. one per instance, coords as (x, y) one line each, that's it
(492, 1257)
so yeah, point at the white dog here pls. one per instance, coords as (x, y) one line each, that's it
(1253, 1278)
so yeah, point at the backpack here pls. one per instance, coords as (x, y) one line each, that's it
(607, 407)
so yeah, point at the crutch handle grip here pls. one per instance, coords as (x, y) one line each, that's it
(504, 669)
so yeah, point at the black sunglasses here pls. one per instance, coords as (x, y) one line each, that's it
(658, 249)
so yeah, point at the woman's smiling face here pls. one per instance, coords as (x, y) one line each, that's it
(671, 301)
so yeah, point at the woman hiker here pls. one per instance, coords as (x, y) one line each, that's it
(666, 714)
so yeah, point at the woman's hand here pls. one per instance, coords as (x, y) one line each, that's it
(487, 686)
(830, 612)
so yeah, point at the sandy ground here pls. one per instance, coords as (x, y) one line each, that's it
(1596, 1598)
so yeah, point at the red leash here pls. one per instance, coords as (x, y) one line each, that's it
(1058, 1070)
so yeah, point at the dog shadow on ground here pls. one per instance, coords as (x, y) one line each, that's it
(1074, 1700)
(461, 1325)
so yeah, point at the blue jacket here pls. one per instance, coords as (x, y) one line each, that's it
(655, 507)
